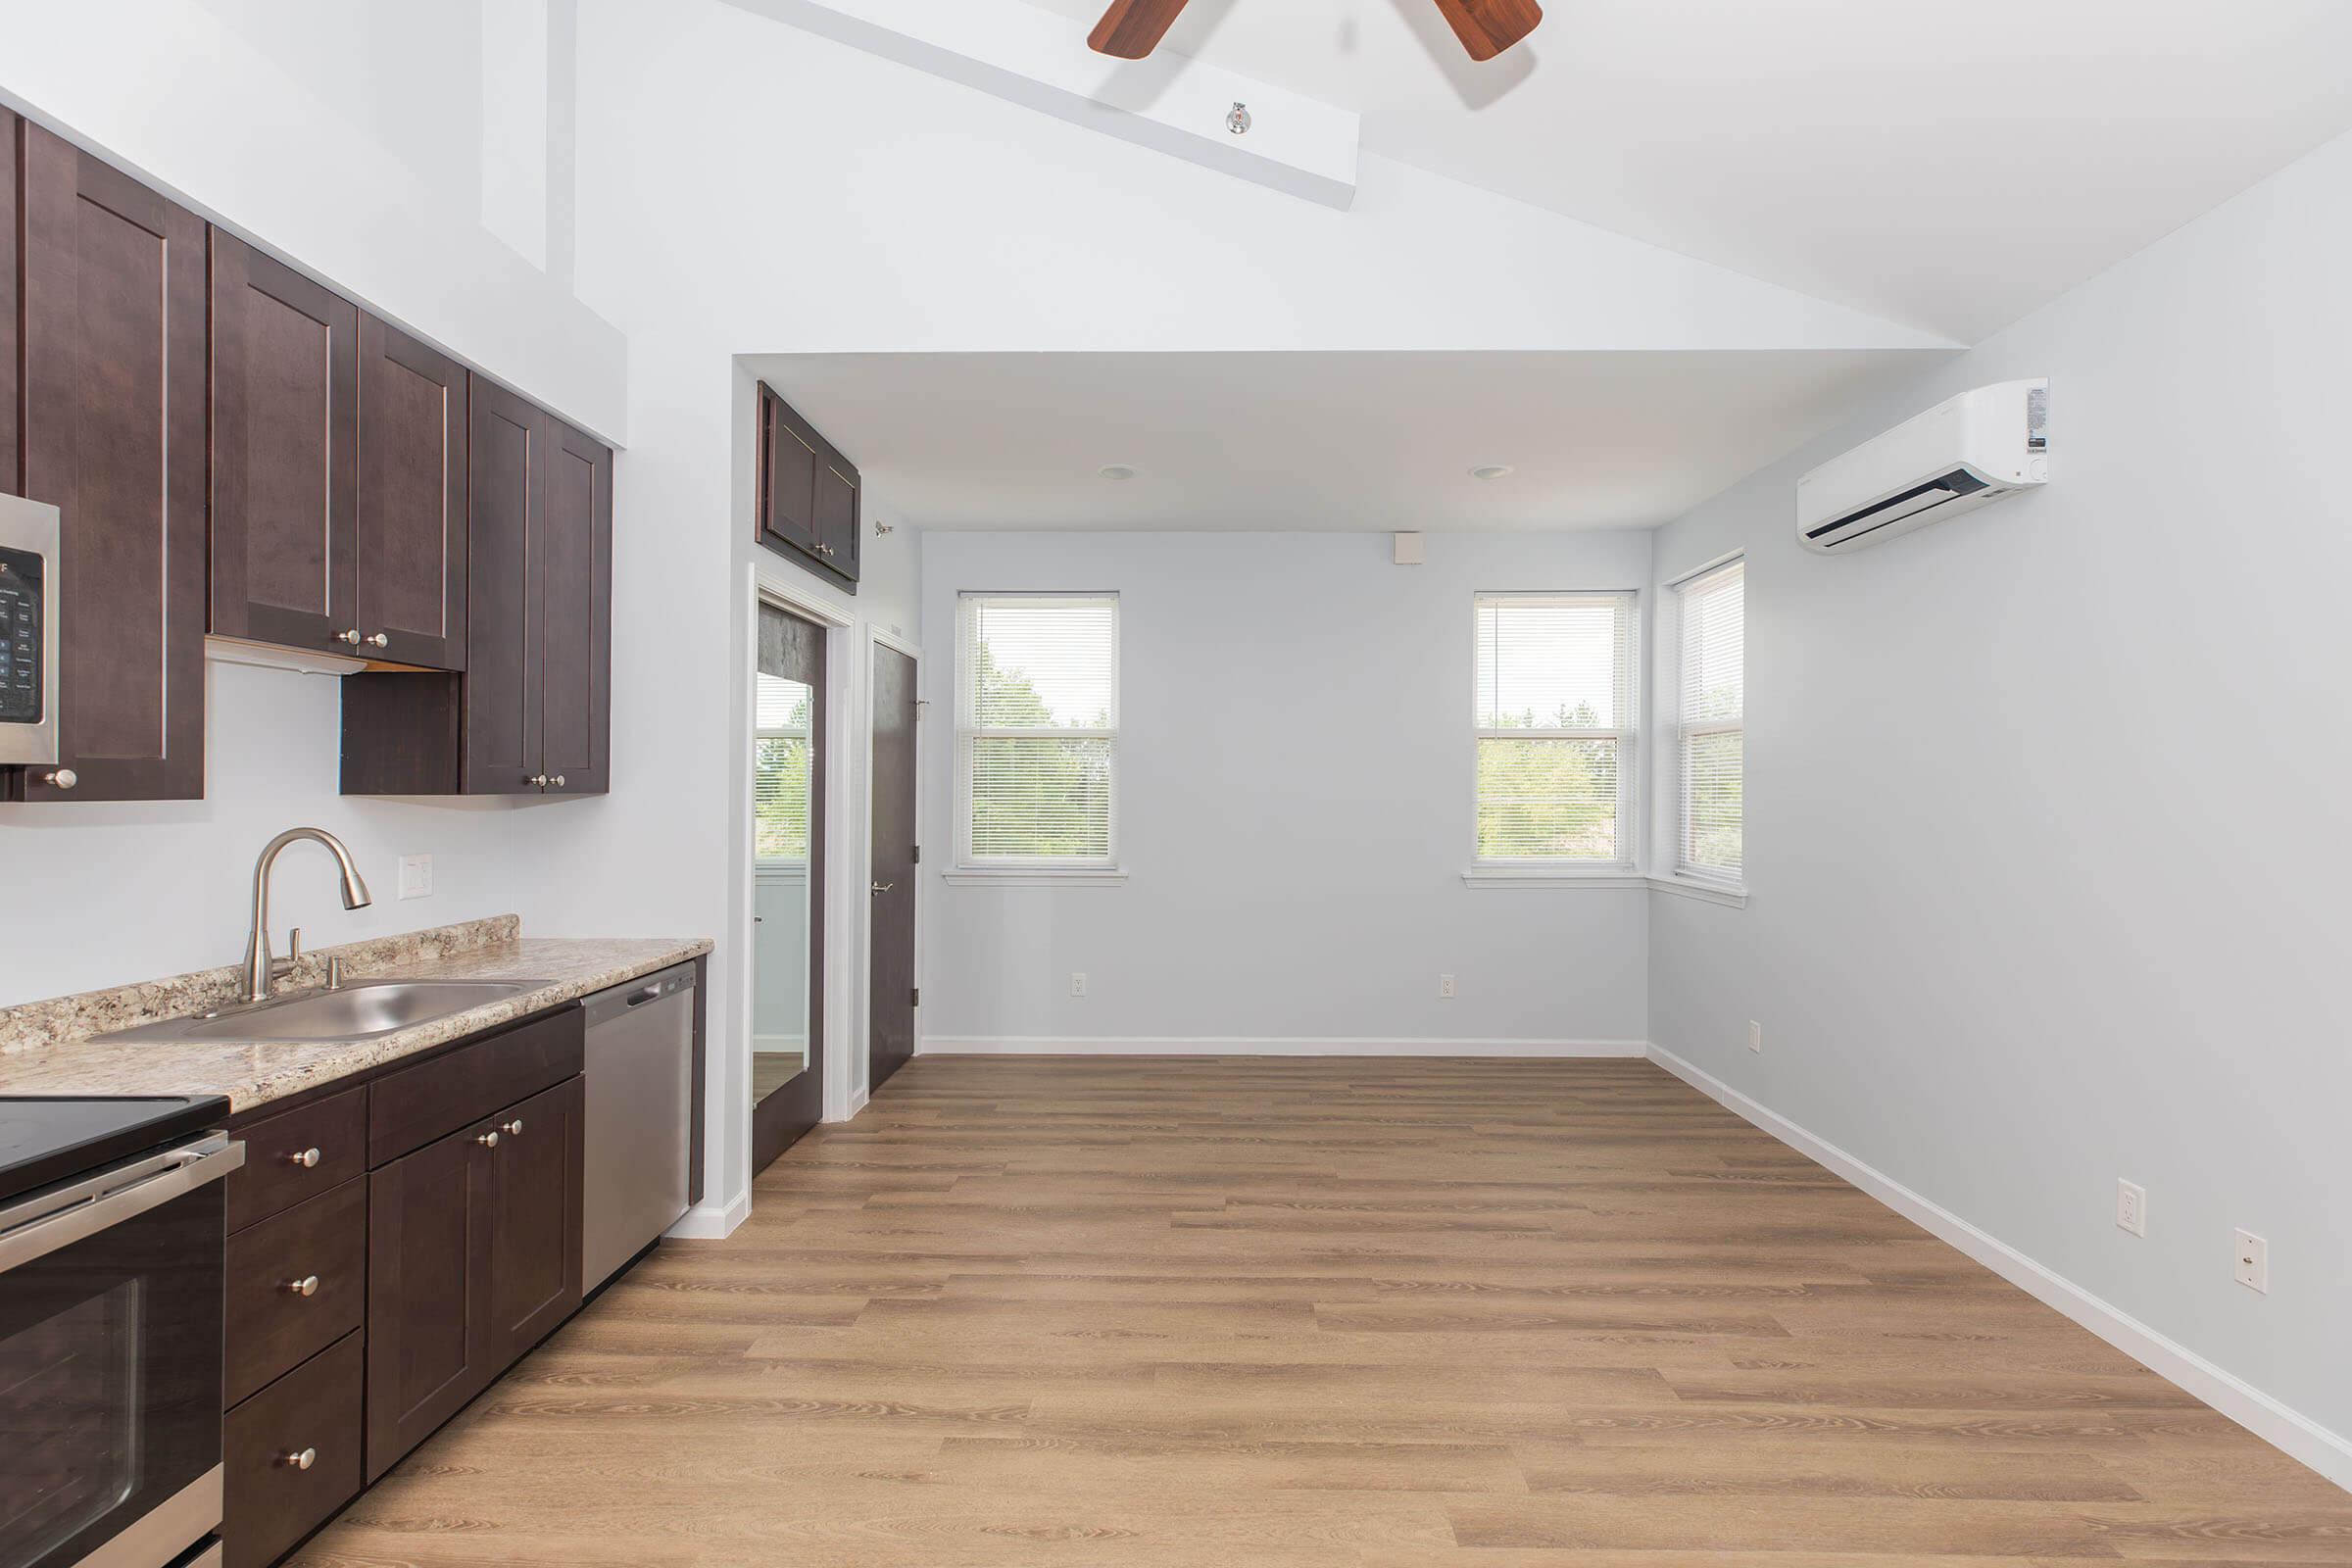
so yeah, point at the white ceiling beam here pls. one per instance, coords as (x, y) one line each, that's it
(1169, 103)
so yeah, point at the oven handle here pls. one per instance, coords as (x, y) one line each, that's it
(64, 1215)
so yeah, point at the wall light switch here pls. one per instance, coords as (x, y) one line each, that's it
(2131, 1207)
(1755, 1035)
(2253, 1262)
(415, 876)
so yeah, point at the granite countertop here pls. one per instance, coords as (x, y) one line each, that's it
(45, 1047)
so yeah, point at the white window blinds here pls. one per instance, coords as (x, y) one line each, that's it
(1037, 728)
(1712, 718)
(1554, 727)
(780, 769)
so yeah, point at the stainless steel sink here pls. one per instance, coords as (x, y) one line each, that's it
(362, 1009)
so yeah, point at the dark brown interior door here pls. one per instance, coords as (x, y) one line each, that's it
(536, 1185)
(506, 497)
(890, 1041)
(575, 593)
(114, 434)
(430, 1349)
(793, 649)
(411, 503)
(286, 447)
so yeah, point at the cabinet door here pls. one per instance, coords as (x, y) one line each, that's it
(112, 432)
(428, 1291)
(535, 1184)
(575, 645)
(412, 501)
(285, 446)
(505, 502)
(788, 465)
(839, 507)
(11, 482)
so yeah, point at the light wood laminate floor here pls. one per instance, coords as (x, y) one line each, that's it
(1326, 1313)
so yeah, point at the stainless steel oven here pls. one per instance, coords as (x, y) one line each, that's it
(111, 1335)
(28, 631)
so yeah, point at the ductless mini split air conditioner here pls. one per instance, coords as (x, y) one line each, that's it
(1964, 452)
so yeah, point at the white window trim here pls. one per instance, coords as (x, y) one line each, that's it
(1684, 879)
(1032, 870)
(1625, 870)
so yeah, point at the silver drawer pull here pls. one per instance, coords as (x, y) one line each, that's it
(308, 1159)
(299, 1458)
(488, 1140)
(308, 1285)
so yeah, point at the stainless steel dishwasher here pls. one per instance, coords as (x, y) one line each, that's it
(640, 1074)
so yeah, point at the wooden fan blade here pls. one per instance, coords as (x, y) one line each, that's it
(1133, 28)
(1486, 27)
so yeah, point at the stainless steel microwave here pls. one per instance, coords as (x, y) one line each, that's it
(28, 631)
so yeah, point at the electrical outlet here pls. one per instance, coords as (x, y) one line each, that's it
(2131, 1207)
(1446, 988)
(2253, 1262)
(415, 876)
(1755, 1035)
(1078, 982)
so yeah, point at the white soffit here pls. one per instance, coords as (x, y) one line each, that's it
(1036, 59)
(1318, 441)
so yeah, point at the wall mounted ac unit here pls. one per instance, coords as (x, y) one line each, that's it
(1956, 457)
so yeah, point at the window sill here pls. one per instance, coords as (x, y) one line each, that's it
(1730, 894)
(1601, 876)
(1036, 876)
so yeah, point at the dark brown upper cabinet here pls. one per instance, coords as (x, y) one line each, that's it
(811, 501)
(11, 482)
(412, 594)
(532, 713)
(112, 429)
(285, 455)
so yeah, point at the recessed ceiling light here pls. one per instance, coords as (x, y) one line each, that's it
(1116, 470)
(1492, 470)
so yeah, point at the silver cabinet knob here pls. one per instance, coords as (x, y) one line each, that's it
(557, 781)
(306, 1285)
(299, 1458)
(352, 637)
(539, 780)
(824, 550)
(488, 1140)
(308, 1159)
(64, 778)
(379, 640)
(514, 1129)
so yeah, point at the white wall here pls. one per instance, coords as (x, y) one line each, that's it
(1296, 780)
(2044, 816)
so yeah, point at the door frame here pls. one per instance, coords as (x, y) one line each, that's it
(879, 637)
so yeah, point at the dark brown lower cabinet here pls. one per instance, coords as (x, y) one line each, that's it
(292, 1456)
(473, 1256)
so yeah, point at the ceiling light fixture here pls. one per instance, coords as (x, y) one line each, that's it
(1492, 470)
(1115, 472)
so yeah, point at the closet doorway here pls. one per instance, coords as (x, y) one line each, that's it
(788, 882)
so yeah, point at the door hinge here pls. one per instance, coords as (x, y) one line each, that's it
(919, 855)
(918, 995)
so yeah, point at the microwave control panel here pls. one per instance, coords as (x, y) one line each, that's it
(21, 651)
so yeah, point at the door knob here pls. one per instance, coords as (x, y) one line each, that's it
(64, 778)
(884, 887)
(308, 1159)
(298, 1460)
(306, 1285)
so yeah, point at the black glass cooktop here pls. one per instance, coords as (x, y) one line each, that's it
(44, 1141)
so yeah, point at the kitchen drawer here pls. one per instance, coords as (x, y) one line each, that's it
(297, 1156)
(411, 1108)
(273, 1325)
(273, 1499)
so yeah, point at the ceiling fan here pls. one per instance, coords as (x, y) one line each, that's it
(1133, 28)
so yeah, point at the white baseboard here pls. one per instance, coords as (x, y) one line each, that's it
(2327, 1452)
(1281, 1046)
(711, 1222)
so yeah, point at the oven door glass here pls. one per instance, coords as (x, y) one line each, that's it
(110, 1380)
